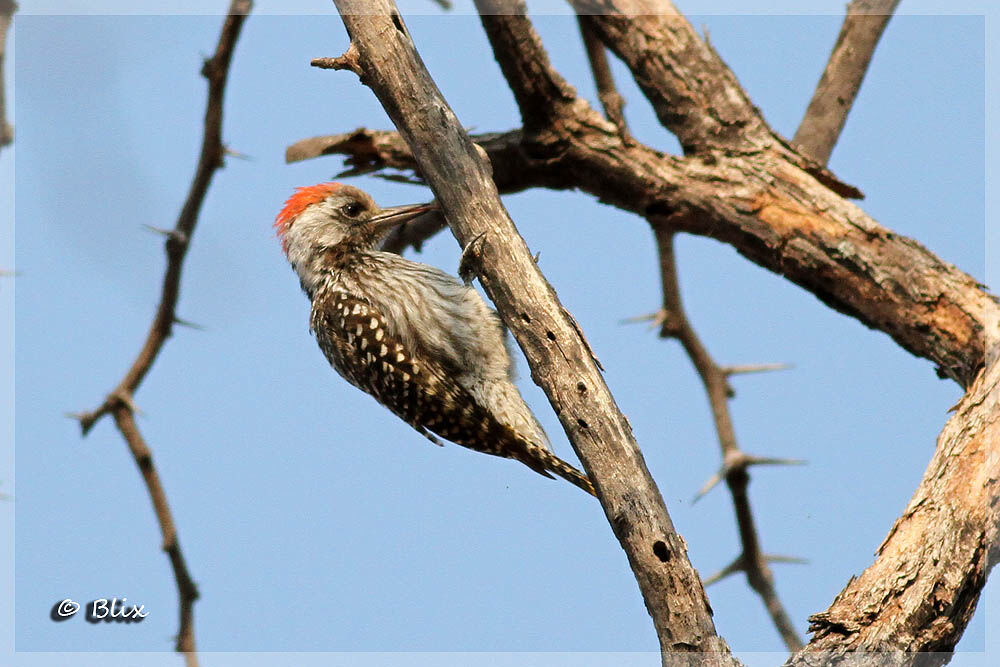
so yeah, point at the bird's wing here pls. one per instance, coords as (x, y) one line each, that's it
(417, 388)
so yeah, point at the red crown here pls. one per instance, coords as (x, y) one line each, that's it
(303, 198)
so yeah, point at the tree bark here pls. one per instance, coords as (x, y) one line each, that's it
(845, 70)
(561, 361)
(742, 184)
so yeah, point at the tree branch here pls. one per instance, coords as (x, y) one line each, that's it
(675, 324)
(612, 102)
(923, 587)
(777, 216)
(7, 9)
(693, 93)
(187, 591)
(216, 70)
(827, 111)
(559, 357)
(119, 403)
(773, 211)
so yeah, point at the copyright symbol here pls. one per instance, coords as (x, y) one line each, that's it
(63, 610)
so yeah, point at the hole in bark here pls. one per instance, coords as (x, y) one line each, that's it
(660, 551)
(550, 335)
(398, 22)
(524, 316)
(582, 423)
(581, 387)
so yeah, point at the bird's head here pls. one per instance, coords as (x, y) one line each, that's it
(330, 214)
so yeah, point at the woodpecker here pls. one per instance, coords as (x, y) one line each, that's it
(421, 342)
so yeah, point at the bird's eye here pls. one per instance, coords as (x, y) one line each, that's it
(352, 209)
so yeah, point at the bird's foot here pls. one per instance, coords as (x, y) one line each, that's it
(468, 263)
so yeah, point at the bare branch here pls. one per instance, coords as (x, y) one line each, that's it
(773, 213)
(366, 150)
(542, 95)
(675, 324)
(119, 402)
(827, 112)
(607, 92)
(922, 589)
(770, 208)
(694, 94)
(216, 70)
(7, 9)
(560, 360)
(187, 592)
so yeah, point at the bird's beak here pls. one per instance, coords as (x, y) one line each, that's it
(387, 218)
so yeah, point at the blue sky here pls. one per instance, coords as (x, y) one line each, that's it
(311, 519)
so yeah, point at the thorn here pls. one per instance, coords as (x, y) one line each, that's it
(655, 319)
(738, 459)
(708, 486)
(773, 461)
(639, 318)
(129, 402)
(729, 570)
(159, 230)
(753, 368)
(776, 558)
(226, 150)
(186, 323)
(469, 262)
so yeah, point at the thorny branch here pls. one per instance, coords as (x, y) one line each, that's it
(750, 192)
(7, 9)
(675, 324)
(817, 135)
(119, 403)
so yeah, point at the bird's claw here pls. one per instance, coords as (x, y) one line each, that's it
(468, 263)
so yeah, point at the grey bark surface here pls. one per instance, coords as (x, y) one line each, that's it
(560, 359)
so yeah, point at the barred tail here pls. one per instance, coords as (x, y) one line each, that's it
(556, 465)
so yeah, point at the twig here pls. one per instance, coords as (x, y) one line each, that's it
(675, 324)
(119, 403)
(216, 70)
(845, 70)
(186, 589)
(607, 92)
(7, 9)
